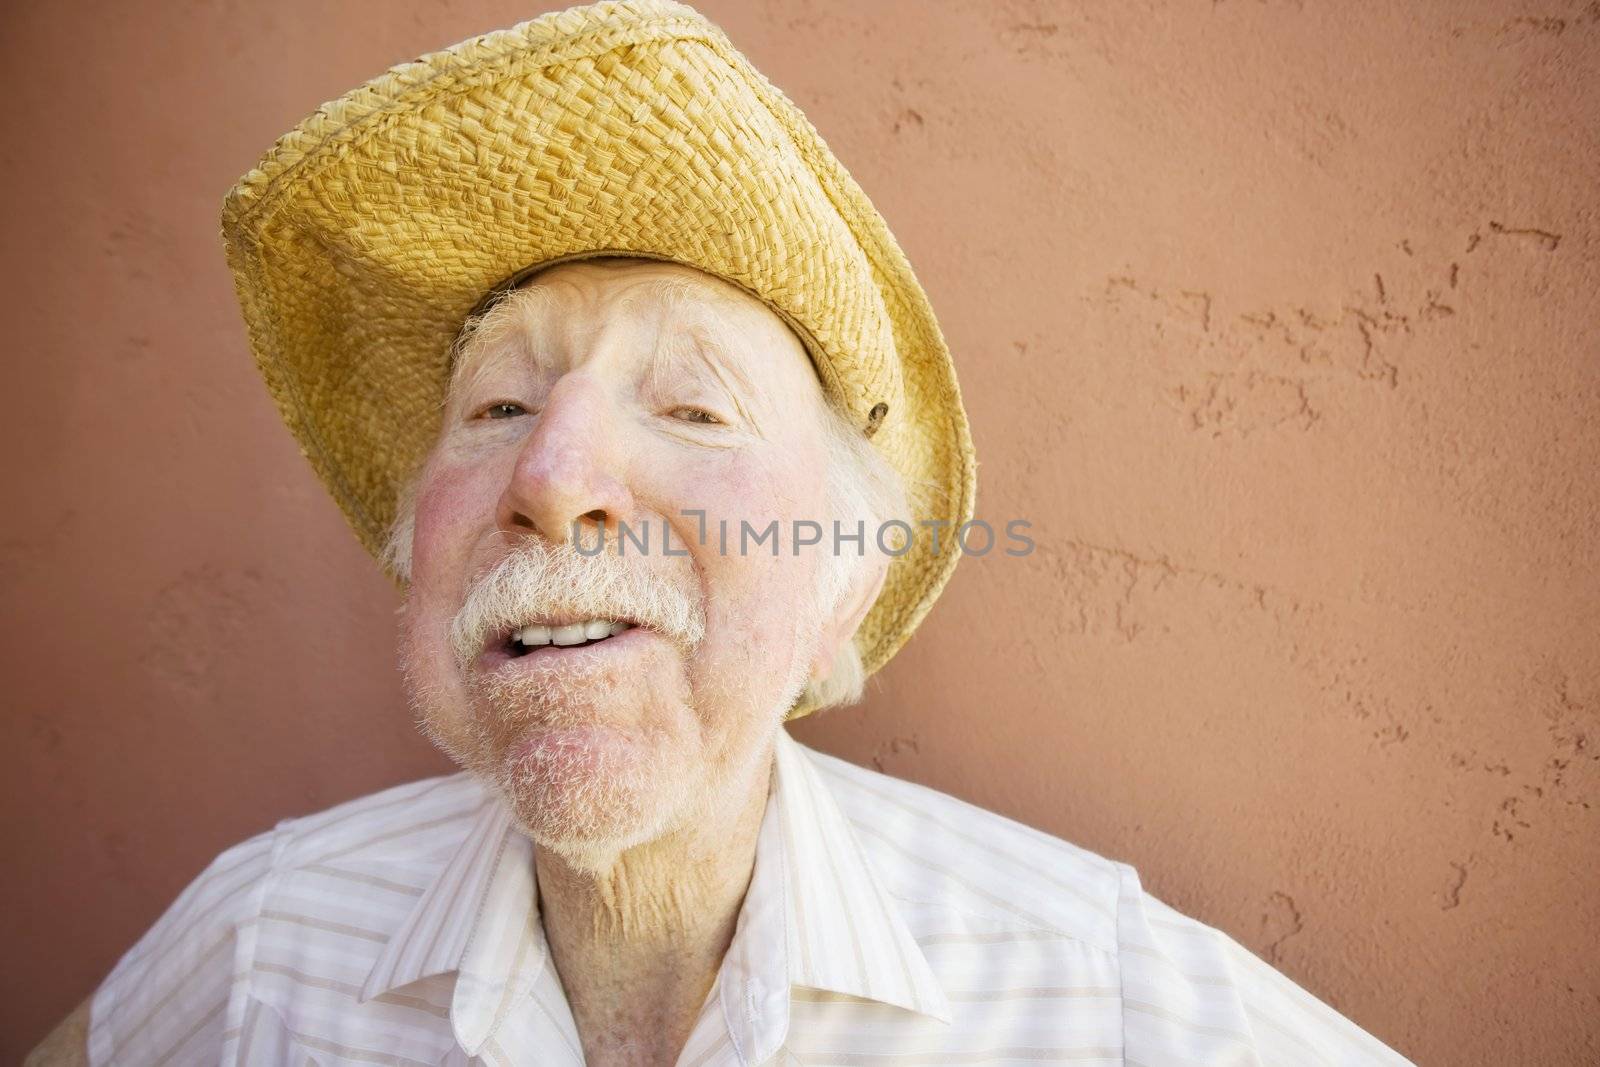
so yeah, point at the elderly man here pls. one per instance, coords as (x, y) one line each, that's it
(622, 377)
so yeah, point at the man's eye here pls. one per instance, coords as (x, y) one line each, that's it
(691, 414)
(503, 410)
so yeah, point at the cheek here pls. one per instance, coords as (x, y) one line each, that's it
(441, 568)
(449, 503)
(783, 480)
(756, 602)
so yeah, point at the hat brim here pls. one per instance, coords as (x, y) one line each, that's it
(366, 236)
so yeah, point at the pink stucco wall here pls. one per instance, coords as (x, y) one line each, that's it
(1278, 320)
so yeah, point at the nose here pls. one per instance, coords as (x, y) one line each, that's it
(567, 475)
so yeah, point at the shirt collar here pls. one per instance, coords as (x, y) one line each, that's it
(815, 915)
(479, 918)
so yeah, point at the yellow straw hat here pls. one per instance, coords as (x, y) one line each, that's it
(370, 232)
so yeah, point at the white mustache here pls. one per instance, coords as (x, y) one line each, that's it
(539, 578)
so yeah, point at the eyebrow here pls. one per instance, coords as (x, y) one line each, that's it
(694, 338)
(484, 340)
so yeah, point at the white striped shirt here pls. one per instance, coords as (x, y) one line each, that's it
(885, 924)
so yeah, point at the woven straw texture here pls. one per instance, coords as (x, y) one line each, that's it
(366, 236)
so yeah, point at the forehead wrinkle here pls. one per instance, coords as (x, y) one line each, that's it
(693, 318)
(688, 325)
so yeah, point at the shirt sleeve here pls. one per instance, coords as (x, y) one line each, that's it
(166, 1001)
(1192, 994)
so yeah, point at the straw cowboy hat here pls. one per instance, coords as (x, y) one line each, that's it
(370, 232)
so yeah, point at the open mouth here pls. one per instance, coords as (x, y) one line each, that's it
(571, 635)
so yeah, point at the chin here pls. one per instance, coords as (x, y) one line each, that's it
(580, 781)
(590, 792)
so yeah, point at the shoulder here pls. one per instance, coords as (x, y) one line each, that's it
(176, 977)
(986, 894)
(404, 823)
(1190, 989)
(170, 995)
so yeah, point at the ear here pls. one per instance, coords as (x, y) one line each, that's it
(846, 620)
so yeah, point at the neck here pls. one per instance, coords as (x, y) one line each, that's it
(638, 941)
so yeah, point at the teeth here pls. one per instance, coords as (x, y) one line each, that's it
(575, 634)
(567, 635)
(535, 635)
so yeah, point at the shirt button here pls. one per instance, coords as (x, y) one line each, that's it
(754, 992)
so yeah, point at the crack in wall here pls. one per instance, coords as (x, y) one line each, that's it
(1452, 893)
(1267, 369)
(1280, 920)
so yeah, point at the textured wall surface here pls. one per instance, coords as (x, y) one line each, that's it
(1277, 319)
